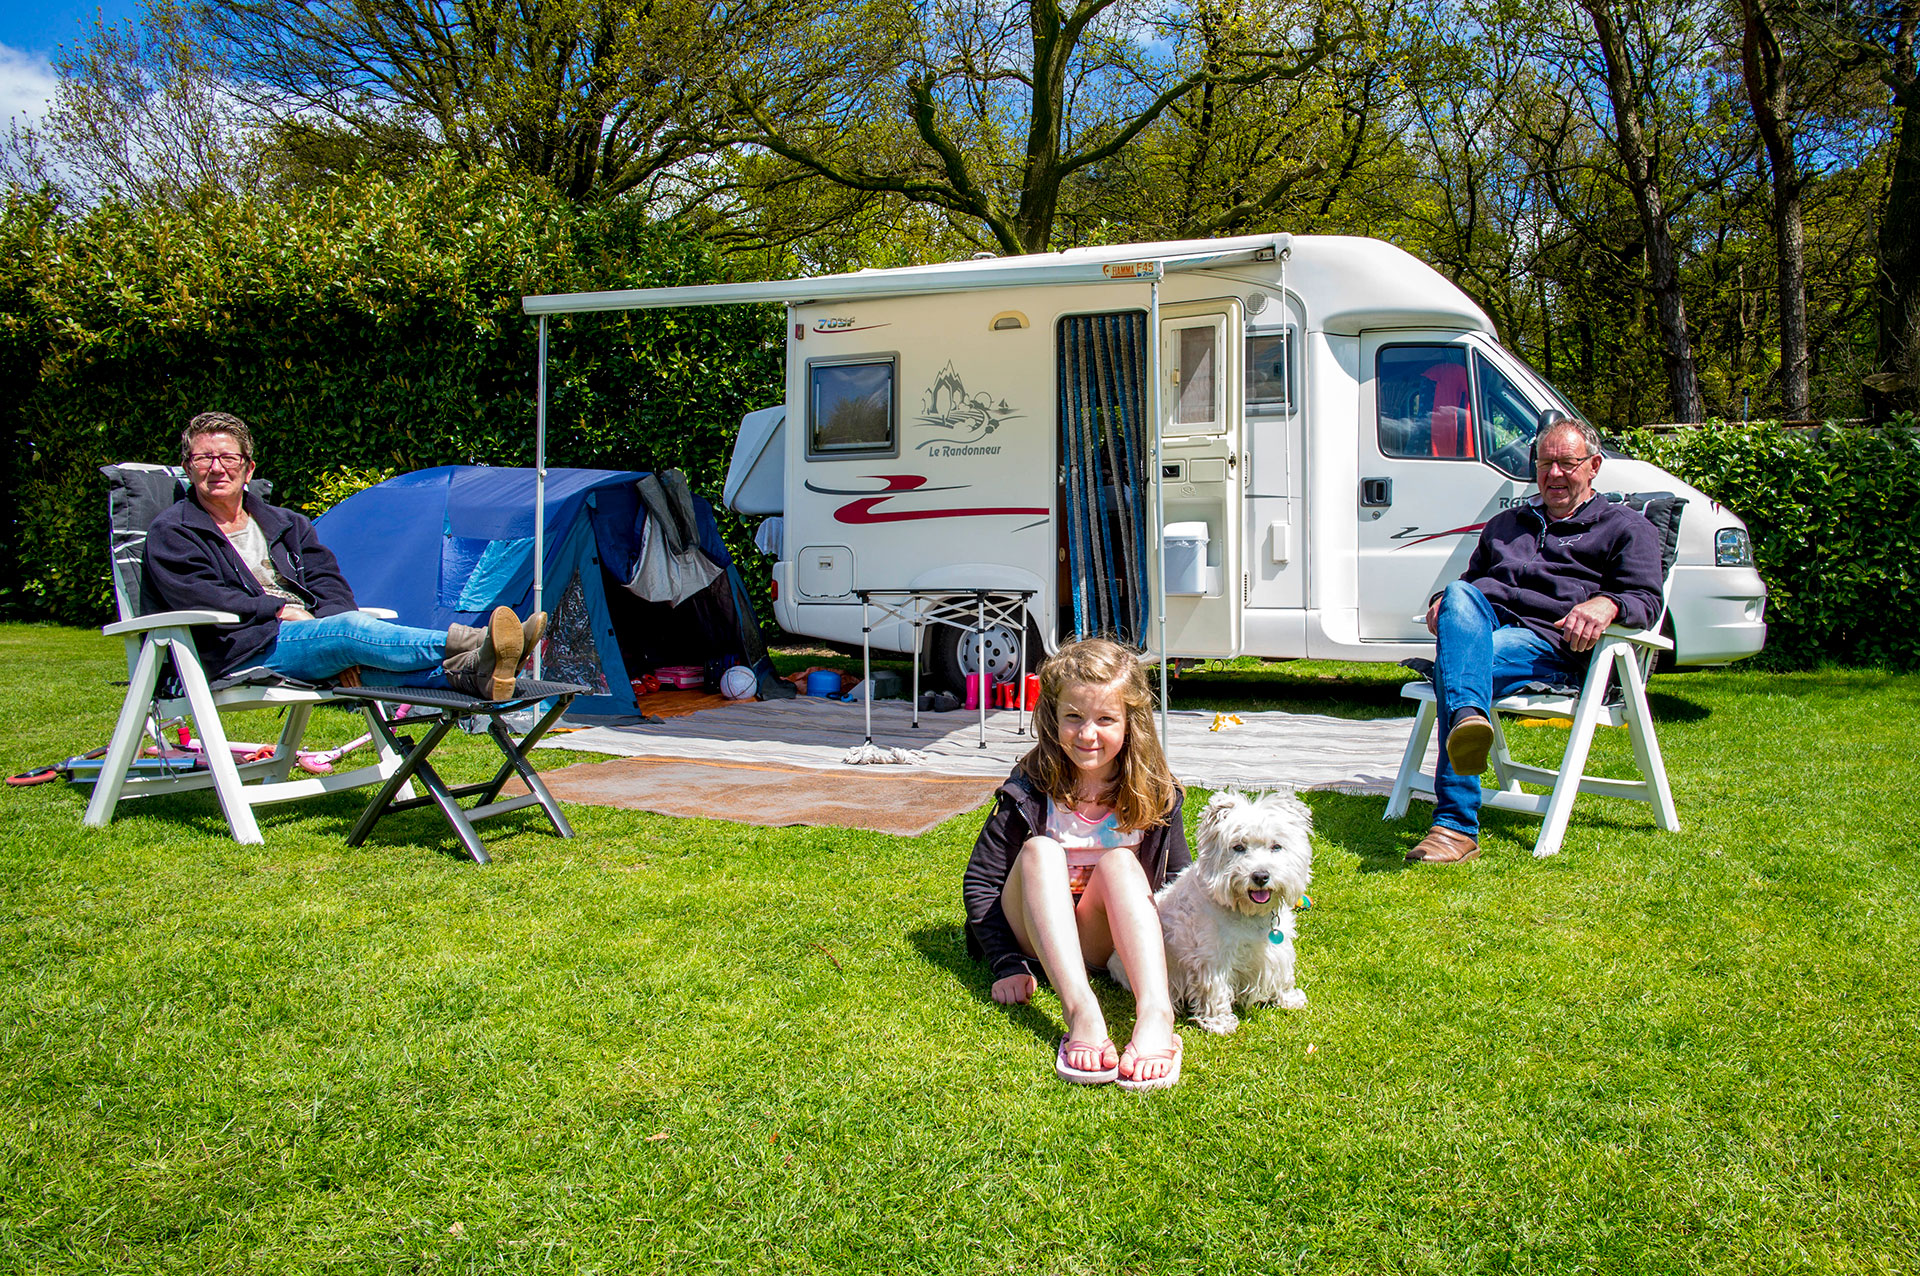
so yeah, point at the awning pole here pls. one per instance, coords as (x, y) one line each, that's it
(540, 484)
(1157, 569)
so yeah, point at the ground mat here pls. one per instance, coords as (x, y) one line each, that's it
(877, 798)
(1248, 750)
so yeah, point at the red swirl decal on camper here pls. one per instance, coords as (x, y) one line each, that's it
(865, 509)
(1411, 536)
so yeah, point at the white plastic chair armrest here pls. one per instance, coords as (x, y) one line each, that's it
(1643, 637)
(167, 620)
(380, 613)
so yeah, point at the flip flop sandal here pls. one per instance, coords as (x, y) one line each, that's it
(1082, 1076)
(1157, 1083)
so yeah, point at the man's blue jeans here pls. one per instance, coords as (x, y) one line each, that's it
(389, 655)
(1479, 659)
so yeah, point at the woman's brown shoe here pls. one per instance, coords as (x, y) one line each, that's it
(1443, 845)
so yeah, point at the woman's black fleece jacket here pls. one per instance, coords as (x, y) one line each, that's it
(191, 566)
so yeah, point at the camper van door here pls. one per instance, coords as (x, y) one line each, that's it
(1202, 472)
(1438, 422)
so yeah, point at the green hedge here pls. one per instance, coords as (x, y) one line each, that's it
(1835, 517)
(372, 327)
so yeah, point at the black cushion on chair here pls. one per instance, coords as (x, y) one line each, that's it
(1663, 510)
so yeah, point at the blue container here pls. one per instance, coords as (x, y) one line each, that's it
(823, 682)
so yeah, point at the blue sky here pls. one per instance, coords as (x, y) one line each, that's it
(36, 26)
(30, 31)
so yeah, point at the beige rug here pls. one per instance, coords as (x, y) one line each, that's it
(883, 799)
(1260, 750)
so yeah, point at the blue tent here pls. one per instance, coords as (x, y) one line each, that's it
(452, 543)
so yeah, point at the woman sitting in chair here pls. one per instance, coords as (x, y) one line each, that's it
(224, 549)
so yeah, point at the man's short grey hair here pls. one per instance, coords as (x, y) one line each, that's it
(1588, 435)
(216, 423)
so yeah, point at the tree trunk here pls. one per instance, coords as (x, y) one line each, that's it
(1663, 259)
(1763, 69)
(1899, 281)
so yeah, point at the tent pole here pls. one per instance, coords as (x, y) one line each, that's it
(1157, 570)
(540, 484)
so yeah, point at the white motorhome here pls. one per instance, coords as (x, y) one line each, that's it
(1269, 445)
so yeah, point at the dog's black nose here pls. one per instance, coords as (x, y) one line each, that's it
(1260, 879)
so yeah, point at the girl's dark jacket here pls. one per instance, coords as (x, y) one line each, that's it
(191, 566)
(1020, 811)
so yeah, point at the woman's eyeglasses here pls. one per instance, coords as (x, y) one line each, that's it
(200, 463)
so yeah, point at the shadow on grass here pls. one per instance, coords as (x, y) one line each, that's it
(1332, 697)
(1351, 822)
(945, 947)
(1671, 708)
(333, 815)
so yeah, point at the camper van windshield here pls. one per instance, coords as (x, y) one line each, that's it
(1548, 388)
(1510, 418)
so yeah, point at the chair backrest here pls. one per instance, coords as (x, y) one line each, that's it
(136, 493)
(1663, 510)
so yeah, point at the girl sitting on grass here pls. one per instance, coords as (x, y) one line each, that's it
(1082, 834)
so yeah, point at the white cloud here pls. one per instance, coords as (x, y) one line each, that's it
(26, 86)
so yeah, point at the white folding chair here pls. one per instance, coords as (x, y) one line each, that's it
(138, 493)
(1622, 659)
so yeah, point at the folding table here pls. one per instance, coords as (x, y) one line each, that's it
(440, 711)
(923, 607)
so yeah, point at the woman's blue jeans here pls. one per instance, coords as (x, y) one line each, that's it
(1478, 660)
(389, 655)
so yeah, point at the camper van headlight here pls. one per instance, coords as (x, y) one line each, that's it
(1732, 547)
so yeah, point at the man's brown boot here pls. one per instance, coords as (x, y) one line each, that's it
(1469, 742)
(1443, 845)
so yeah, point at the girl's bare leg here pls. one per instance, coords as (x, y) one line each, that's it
(1117, 915)
(1040, 907)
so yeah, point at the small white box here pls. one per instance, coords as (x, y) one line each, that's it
(1184, 558)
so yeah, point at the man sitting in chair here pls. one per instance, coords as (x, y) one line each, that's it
(1546, 580)
(224, 549)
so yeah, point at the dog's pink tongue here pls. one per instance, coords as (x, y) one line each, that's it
(1259, 897)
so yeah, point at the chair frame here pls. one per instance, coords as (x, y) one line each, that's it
(154, 639)
(1623, 657)
(1625, 654)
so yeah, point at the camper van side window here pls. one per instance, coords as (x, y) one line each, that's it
(852, 408)
(1425, 402)
(1269, 373)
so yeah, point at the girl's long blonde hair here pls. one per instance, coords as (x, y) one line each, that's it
(1143, 790)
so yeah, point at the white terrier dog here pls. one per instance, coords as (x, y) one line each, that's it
(1228, 919)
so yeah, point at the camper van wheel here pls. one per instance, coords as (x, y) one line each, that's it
(952, 653)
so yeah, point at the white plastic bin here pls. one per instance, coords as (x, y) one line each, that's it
(1184, 558)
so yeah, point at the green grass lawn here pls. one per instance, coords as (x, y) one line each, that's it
(677, 1045)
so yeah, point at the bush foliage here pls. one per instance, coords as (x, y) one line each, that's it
(374, 326)
(1835, 517)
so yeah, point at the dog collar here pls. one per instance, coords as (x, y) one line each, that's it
(1276, 935)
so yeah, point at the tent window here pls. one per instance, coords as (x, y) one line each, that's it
(853, 407)
(572, 655)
